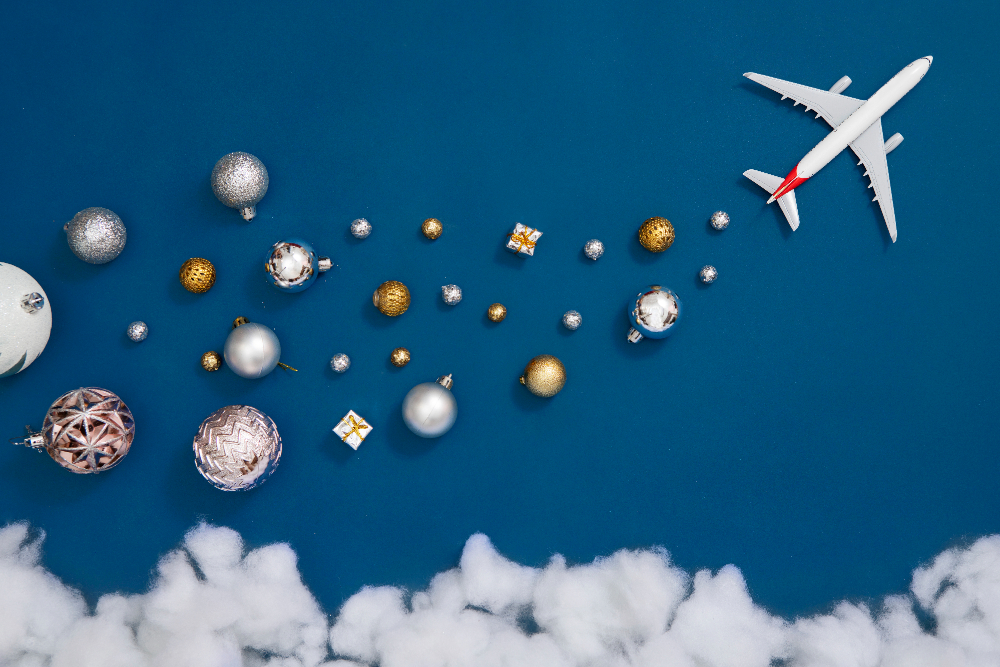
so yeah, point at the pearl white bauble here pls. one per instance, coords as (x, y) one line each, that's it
(252, 350)
(25, 320)
(429, 410)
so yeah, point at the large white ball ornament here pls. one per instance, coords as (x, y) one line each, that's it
(430, 409)
(25, 320)
(252, 350)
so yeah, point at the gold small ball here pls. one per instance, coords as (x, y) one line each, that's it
(496, 312)
(544, 376)
(432, 228)
(392, 298)
(400, 357)
(197, 275)
(656, 234)
(211, 361)
(240, 321)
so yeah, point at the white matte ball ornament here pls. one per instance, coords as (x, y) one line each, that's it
(252, 350)
(25, 320)
(430, 409)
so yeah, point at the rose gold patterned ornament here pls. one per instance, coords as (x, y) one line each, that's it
(237, 448)
(86, 430)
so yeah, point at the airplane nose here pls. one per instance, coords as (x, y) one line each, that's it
(929, 59)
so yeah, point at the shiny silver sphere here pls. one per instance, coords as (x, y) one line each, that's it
(340, 362)
(429, 410)
(593, 249)
(361, 228)
(292, 265)
(572, 320)
(239, 181)
(708, 274)
(137, 331)
(95, 235)
(451, 294)
(719, 220)
(654, 313)
(252, 350)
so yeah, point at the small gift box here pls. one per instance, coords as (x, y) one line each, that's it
(353, 429)
(523, 239)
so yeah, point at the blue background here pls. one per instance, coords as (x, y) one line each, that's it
(824, 417)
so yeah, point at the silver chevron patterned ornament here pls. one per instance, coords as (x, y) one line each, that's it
(237, 448)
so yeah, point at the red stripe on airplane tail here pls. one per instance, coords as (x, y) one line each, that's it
(791, 182)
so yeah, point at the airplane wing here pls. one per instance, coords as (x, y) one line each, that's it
(832, 107)
(870, 149)
(787, 202)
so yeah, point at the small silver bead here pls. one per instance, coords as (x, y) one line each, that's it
(720, 220)
(361, 228)
(451, 294)
(138, 331)
(572, 320)
(593, 249)
(340, 362)
(708, 274)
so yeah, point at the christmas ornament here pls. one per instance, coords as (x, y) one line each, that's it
(137, 331)
(429, 409)
(252, 350)
(353, 429)
(392, 298)
(95, 235)
(400, 357)
(240, 321)
(544, 376)
(719, 220)
(432, 228)
(237, 448)
(340, 362)
(239, 181)
(197, 275)
(25, 320)
(292, 265)
(211, 361)
(708, 274)
(656, 234)
(451, 294)
(496, 312)
(361, 228)
(653, 314)
(523, 239)
(572, 320)
(87, 430)
(593, 249)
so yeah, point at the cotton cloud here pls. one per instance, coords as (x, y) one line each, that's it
(214, 604)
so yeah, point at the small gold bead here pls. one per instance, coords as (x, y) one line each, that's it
(400, 357)
(432, 228)
(544, 376)
(211, 361)
(392, 298)
(240, 321)
(496, 312)
(656, 234)
(197, 275)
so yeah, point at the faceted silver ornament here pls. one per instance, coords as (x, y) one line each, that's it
(95, 235)
(138, 331)
(25, 320)
(237, 448)
(451, 294)
(719, 220)
(239, 180)
(361, 228)
(593, 249)
(340, 362)
(708, 274)
(572, 320)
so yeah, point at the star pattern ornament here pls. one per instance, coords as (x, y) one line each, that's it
(237, 448)
(88, 430)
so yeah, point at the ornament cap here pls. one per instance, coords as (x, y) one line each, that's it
(35, 439)
(248, 212)
(634, 336)
(324, 264)
(33, 302)
(240, 321)
(446, 381)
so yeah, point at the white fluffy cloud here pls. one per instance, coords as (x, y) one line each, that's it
(213, 604)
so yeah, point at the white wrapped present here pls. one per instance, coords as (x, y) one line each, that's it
(353, 429)
(523, 239)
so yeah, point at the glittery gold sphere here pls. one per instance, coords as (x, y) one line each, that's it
(392, 298)
(197, 275)
(496, 312)
(400, 357)
(544, 376)
(432, 228)
(211, 361)
(656, 234)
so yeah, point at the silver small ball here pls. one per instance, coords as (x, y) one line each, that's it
(240, 180)
(451, 294)
(708, 274)
(720, 220)
(95, 235)
(593, 249)
(361, 228)
(252, 350)
(138, 331)
(572, 320)
(340, 362)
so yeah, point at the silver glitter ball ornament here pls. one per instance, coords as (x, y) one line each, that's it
(708, 274)
(572, 320)
(25, 320)
(340, 362)
(138, 331)
(252, 350)
(237, 448)
(239, 180)
(593, 249)
(719, 220)
(430, 409)
(451, 294)
(361, 228)
(95, 235)
(653, 314)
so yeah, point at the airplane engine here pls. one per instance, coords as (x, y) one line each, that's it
(841, 85)
(894, 141)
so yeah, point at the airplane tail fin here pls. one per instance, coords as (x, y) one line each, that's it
(786, 202)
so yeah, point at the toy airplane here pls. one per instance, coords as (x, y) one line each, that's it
(856, 123)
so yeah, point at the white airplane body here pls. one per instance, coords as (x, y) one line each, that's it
(856, 123)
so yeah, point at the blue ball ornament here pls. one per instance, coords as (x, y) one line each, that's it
(653, 314)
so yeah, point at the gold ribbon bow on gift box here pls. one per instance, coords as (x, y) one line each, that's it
(355, 428)
(523, 240)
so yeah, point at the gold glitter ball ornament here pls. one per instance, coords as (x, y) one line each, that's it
(197, 275)
(432, 228)
(211, 361)
(400, 357)
(544, 376)
(656, 234)
(392, 298)
(496, 312)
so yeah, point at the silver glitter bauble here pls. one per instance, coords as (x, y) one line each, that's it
(430, 409)
(653, 314)
(451, 294)
(719, 220)
(95, 235)
(572, 320)
(340, 362)
(138, 331)
(237, 448)
(708, 274)
(239, 180)
(593, 249)
(25, 320)
(252, 350)
(361, 228)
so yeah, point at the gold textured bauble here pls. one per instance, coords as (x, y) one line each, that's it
(544, 376)
(656, 234)
(392, 298)
(496, 312)
(400, 357)
(211, 361)
(197, 275)
(432, 228)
